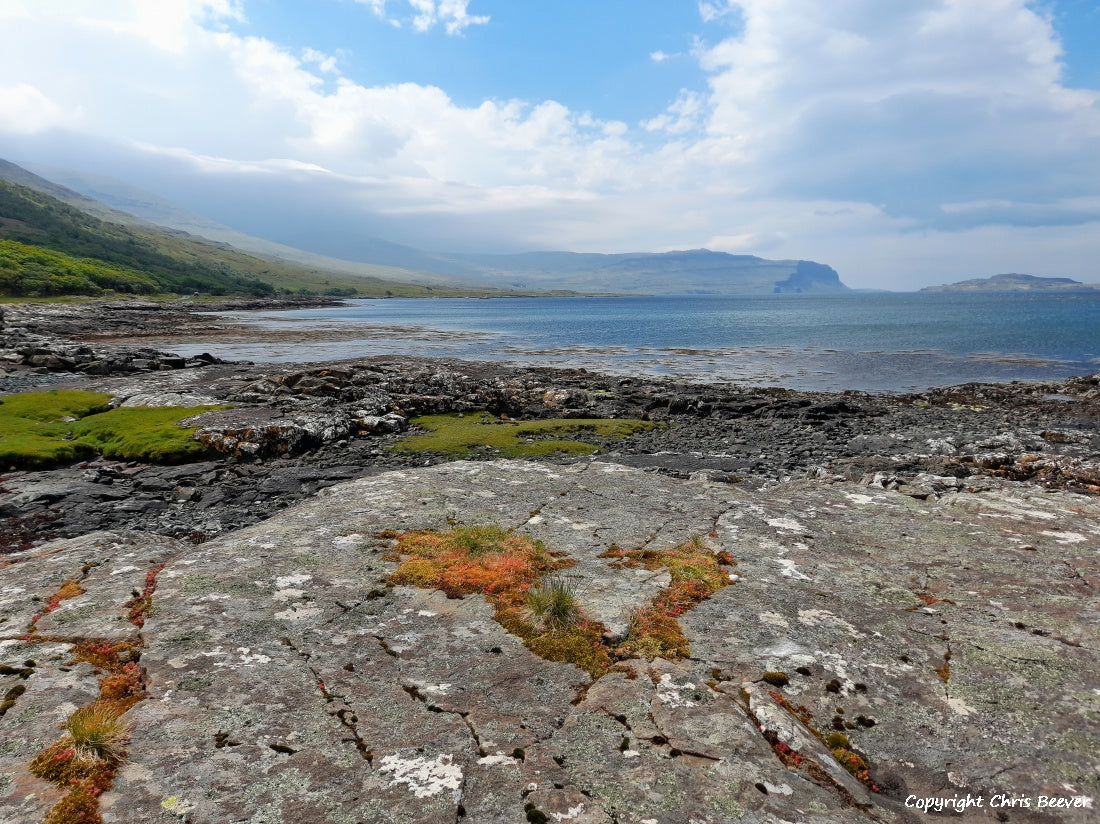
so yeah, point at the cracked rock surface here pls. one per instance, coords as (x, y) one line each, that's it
(951, 640)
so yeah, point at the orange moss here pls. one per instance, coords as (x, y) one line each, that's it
(471, 560)
(103, 655)
(142, 605)
(654, 633)
(85, 778)
(503, 567)
(696, 573)
(68, 589)
(84, 761)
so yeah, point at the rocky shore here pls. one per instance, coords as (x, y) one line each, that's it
(902, 623)
(294, 429)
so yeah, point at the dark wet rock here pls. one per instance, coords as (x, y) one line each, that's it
(950, 642)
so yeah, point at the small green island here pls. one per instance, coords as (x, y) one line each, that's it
(1015, 283)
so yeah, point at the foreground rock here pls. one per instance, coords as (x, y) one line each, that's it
(952, 640)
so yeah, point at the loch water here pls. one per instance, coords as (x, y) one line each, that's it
(874, 342)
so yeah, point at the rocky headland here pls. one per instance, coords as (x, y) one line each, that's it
(905, 619)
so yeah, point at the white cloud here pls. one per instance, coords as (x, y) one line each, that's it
(681, 116)
(712, 10)
(880, 138)
(24, 109)
(454, 15)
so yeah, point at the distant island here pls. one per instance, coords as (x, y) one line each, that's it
(1015, 283)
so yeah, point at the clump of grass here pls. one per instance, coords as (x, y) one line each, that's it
(553, 604)
(98, 732)
(39, 429)
(479, 434)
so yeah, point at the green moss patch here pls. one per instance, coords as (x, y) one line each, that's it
(39, 429)
(479, 434)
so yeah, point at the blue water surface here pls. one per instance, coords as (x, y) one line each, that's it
(870, 341)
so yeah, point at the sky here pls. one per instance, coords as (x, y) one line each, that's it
(904, 143)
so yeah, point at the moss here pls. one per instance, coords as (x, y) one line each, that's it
(654, 633)
(10, 697)
(696, 574)
(776, 679)
(507, 568)
(468, 560)
(465, 436)
(837, 739)
(39, 429)
(581, 645)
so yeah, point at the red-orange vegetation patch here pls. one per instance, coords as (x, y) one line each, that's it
(68, 589)
(697, 573)
(839, 746)
(504, 567)
(84, 761)
(471, 560)
(140, 606)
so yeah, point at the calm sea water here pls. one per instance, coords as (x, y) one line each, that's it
(871, 342)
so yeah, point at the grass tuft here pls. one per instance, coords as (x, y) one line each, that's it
(98, 732)
(554, 604)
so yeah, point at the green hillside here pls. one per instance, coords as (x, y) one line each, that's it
(48, 247)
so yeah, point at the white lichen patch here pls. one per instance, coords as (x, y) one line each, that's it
(1065, 537)
(432, 689)
(570, 814)
(496, 760)
(286, 581)
(786, 524)
(960, 707)
(347, 540)
(298, 612)
(668, 692)
(423, 777)
(788, 569)
(778, 789)
(858, 498)
(815, 617)
(773, 618)
(427, 613)
(244, 657)
(124, 569)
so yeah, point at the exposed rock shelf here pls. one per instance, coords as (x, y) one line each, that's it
(952, 640)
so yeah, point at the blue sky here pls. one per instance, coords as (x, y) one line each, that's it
(905, 143)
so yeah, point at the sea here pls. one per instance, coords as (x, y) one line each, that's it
(870, 342)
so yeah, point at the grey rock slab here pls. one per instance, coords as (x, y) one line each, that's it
(287, 682)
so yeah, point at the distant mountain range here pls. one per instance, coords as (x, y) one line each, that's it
(1015, 283)
(697, 272)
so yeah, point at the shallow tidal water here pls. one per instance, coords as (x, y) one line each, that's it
(880, 342)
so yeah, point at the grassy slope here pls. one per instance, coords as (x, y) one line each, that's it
(80, 254)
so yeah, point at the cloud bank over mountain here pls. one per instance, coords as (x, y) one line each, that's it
(903, 143)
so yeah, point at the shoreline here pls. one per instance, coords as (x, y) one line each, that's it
(304, 421)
